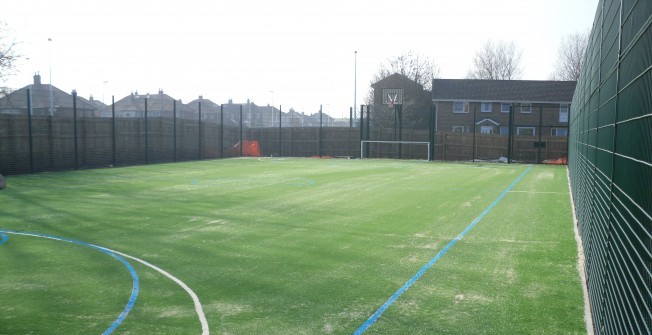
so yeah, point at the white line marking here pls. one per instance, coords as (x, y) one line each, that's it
(537, 192)
(195, 299)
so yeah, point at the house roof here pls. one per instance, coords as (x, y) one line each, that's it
(396, 80)
(539, 91)
(40, 97)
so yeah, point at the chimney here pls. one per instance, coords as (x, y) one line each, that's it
(37, 79)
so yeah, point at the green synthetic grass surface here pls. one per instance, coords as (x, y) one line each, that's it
(292, 246)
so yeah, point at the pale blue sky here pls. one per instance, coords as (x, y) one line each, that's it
(301, 50)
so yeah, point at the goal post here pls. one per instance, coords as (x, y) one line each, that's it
(397, 143)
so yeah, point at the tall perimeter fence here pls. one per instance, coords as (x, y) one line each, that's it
(610, 166)
(73, 135)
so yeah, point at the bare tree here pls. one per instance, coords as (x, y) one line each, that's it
(8, 53)
(414, 67)
(497, 61)
(570, 57)
(418, 68)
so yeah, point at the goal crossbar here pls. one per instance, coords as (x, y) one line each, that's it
(391, 142)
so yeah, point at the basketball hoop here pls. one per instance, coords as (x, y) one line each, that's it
(391, 99)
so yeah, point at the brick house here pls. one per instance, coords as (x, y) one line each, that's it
(416, 102)
(539, 106)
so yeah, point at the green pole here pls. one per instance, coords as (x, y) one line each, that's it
(174, 129)
(361, 128)
(280, 130)
(474, 139)
(29, 130)
(113, 156)
(510, 135)
(199, 153)
(146, 135)
(320, 131)
(400, 129)
(540, 125)
(368, 121)
(74, 128)
(222, 131)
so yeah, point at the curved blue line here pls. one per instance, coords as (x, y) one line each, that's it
(3, 238)
(134, 275)
(441, 253)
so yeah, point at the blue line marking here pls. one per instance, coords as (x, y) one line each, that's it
(134, 275)
(441, 253)
(3, 238)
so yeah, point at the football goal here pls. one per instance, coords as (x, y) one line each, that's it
(395, 149)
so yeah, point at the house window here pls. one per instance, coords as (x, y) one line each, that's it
(460, 107)
(504, 108)
(485, 107)
(563, 132)
(504, 130)
(486, 129)
(460, 129)
(525, 131)
(563, 113)
(526, 108)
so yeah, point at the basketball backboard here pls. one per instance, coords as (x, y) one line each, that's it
(392, 96)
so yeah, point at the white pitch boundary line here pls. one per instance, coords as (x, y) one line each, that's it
(538, 192)
(195, 298)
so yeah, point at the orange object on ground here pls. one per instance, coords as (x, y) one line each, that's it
(249, 148)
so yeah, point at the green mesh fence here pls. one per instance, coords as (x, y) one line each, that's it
(610, 163)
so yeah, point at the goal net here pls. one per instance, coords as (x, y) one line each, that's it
(395, 149)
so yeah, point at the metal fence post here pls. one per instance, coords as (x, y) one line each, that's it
(473, 151)
(200, 155)
(222, 131)
(361, 129)
(510, 135)
(29, 130)
(74, 128)
(113, 149)
(241, 139)
(280, 130)
(146, 134)
(174, 129)
(320, 131)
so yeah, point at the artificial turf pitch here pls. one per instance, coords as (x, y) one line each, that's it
(291, 246)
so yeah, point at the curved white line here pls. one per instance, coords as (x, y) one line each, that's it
(195, 299)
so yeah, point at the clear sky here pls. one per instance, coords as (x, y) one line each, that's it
(294, 53)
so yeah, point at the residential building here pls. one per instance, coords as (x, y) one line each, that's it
(44, 100)
(414, 104)
(538, 106)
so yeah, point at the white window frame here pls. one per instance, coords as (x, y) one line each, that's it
(465, 129)
(526, 108)
(483, 106)
(486, 130)
(518, 131)
(564, 110)
(502, 107)
(465, 107)
(555, 132)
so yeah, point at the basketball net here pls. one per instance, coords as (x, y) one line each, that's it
(391, 100)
